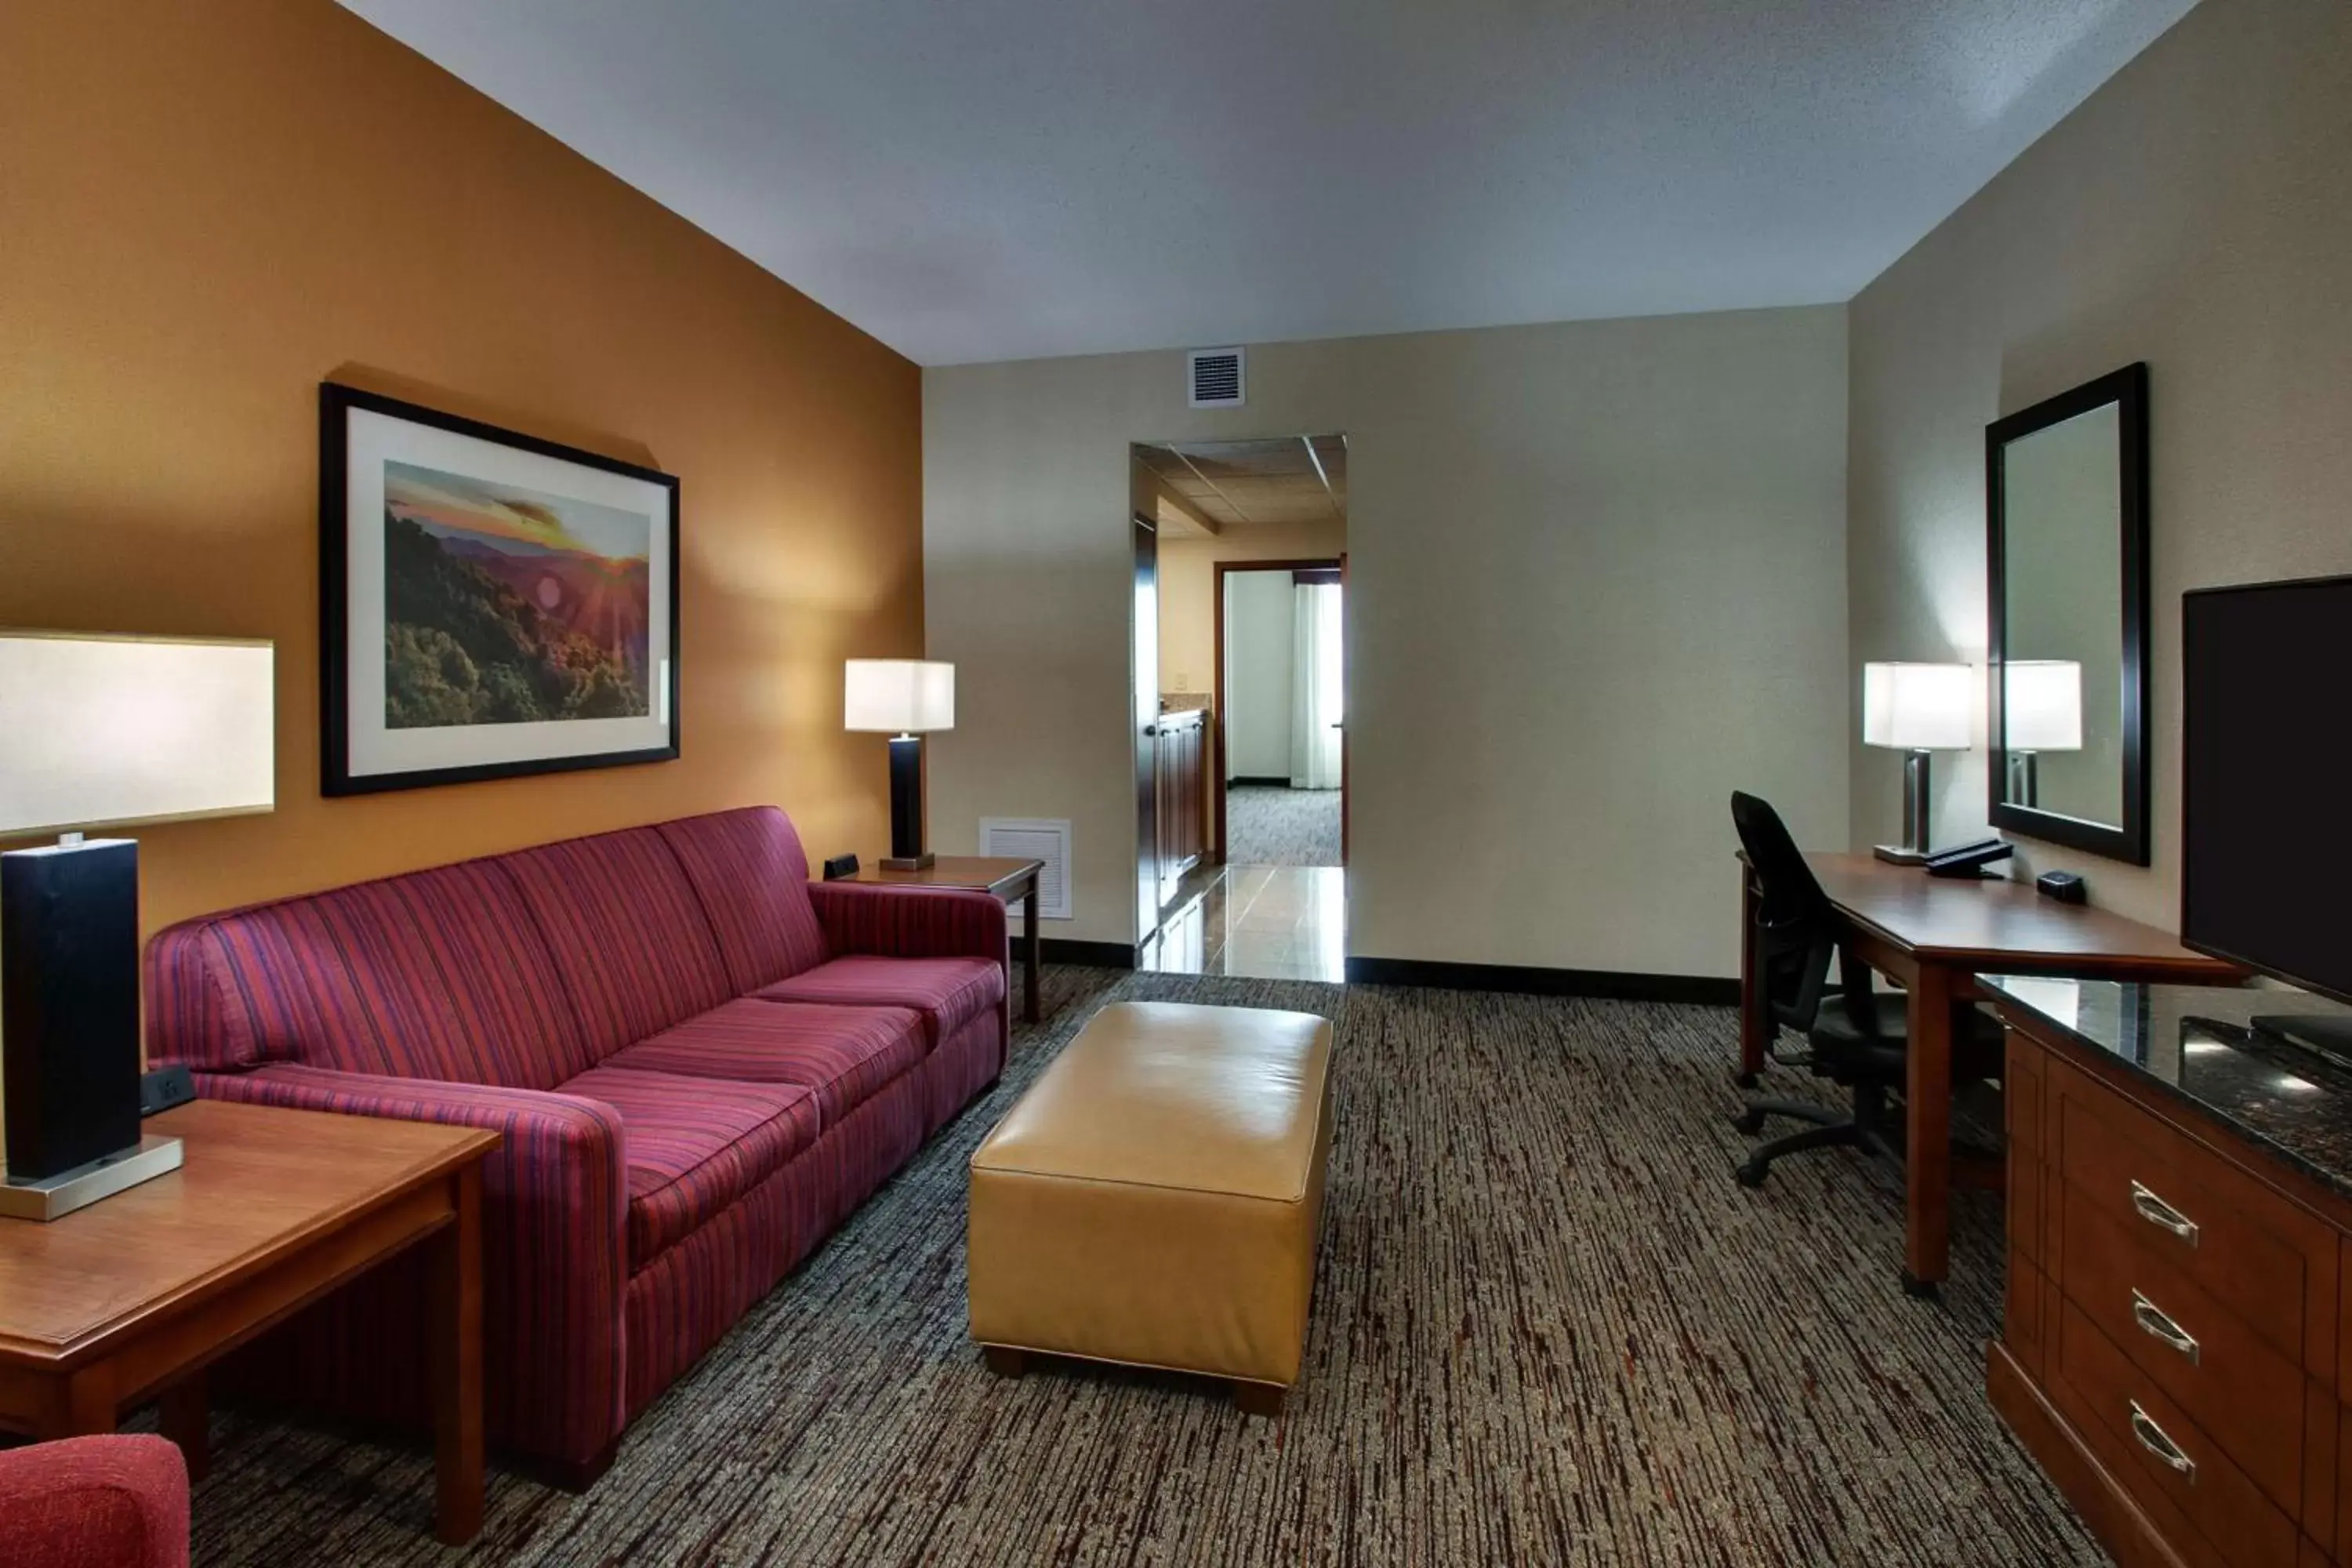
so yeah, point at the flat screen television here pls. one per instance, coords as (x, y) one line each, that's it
(2267, 779)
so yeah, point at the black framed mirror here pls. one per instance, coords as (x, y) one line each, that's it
(2066, 524)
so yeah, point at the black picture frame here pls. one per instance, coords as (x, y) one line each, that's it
(2127, 390)
(337, 403)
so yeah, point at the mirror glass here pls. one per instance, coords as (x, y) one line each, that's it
(2062, 658)
(2067, 512)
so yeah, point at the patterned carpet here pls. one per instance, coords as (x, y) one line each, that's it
(1270, 826)
(1548, 1329)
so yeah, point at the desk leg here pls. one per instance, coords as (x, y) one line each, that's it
(188, 1421)
(1754, 1036)
(78, 1405)
(1029, 940)
(454, 1265)
(1928, 1132)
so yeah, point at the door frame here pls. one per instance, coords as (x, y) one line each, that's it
(1143, 536)
(1217, 611)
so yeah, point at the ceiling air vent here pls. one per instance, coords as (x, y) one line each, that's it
(1214, 378)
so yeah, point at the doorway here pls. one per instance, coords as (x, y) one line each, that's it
(1249, 547)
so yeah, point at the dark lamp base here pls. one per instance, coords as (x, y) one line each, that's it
(922, 862)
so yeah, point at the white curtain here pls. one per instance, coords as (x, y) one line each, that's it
(1316, 686)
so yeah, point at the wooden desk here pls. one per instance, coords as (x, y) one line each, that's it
(136, 1295)
(1007, 878)
(1932, 935)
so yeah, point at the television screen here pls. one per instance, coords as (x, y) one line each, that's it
(2266, 778)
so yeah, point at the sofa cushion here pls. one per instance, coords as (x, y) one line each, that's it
(437, 975)
(748, 870)
(694, 1145)
(844, 1055)
(625, 931)
(945, 991)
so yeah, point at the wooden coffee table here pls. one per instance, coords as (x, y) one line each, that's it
(133, 1297)
(1007, 878)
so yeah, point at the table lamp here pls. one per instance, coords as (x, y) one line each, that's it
(103, 731)
(1916, 708)
(2041, 710)
(903, 699)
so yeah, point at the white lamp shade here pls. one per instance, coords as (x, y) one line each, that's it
(897, 696)
(2041, 705)
(105, 731)
(1917, 707)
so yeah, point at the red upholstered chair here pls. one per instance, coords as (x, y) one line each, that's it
(94, 1502)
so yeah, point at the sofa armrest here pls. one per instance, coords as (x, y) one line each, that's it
(554, 1238)
(94, 1502)
(911, 923)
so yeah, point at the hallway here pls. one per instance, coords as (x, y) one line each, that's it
(1264, 923)
(1269, 824)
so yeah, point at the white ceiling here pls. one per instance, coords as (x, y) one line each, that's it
(1000, 179)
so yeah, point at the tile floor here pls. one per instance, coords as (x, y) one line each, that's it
(1261, 922)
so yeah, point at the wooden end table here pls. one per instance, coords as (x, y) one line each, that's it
(1007, 878)
(135, 1296)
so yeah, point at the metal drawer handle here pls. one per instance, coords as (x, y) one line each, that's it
(2151, 1437)
(2157, 1323)
(2158, 1212)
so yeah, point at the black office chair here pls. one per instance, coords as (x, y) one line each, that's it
(1851, 1039)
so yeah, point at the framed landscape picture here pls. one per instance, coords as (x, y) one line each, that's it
(491, 604)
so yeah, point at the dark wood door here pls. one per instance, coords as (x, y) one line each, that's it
(1182, 803)
(1146, 728)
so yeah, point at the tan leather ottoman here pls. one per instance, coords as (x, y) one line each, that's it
(1153, 1199)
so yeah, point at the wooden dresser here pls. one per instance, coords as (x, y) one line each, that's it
(1184, 784)
(2176, 1341)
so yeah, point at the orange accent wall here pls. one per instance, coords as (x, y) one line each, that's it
(207, 209)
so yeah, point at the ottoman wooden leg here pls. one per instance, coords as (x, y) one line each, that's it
(1258, 1398)
(1004, 1361)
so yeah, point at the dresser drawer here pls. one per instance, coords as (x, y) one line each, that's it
(2209, 1361)
(2254, 1251)
(2159, 1454)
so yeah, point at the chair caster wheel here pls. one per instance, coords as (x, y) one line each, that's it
(1749, 1123)
(1750, 1176)
(1744, 1079)
(1919, 1289)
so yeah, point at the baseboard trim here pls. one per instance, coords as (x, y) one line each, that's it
(1092, 954)
(1253, 781)
(1614, 985)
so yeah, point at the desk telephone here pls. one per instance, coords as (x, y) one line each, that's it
(1969, 859)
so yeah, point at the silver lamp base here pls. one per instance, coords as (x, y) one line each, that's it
(50, 1198)
(1913, 850)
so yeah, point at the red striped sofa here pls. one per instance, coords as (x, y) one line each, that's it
(700, 1063)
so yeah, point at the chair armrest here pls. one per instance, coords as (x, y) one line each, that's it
(94, 1502)
(911, 922)
(555, 1259)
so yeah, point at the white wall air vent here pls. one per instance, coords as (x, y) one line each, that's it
(1213, 379)
(1035, 838)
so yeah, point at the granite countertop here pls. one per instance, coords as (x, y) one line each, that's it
(2196, 1043)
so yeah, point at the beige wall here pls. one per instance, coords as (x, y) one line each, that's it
(1188, 638)
(1598, 581)
(2192, 213)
